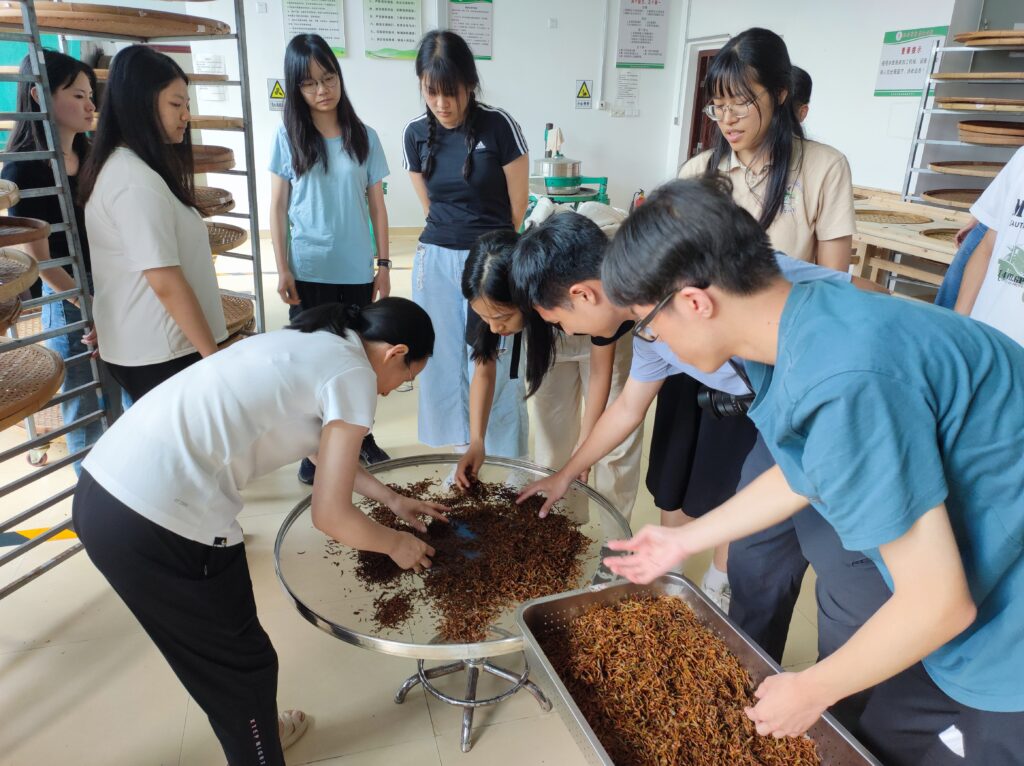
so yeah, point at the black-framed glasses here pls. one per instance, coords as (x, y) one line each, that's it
(641, 329)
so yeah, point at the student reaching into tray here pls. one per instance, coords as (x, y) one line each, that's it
(908, 444)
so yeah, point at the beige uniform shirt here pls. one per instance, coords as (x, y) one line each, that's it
(818, 205)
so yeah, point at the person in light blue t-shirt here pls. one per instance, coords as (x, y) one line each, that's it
(327, 170)
(902, 424)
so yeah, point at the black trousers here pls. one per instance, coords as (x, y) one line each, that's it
(313, 294)
(908, 712)
(196, 602)
(140, 380)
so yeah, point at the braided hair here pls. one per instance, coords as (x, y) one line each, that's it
(445, 62)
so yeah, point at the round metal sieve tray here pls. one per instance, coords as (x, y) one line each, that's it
(327, 593)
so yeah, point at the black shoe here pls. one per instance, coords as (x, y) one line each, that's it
(307, 470)
(370, 453)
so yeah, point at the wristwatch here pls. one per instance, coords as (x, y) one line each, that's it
(383, 263)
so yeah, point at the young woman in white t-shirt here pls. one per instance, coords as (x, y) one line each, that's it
(162, 527)
(157, 306)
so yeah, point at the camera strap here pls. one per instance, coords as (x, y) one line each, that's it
(742, 373)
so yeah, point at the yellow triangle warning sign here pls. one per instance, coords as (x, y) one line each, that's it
(584, 91)
(277, 91)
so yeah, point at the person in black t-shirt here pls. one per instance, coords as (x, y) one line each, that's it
(73, 86)
(468, 164)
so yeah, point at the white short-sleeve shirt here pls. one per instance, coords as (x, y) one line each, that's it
(181, 455)
(135, 223)
(1000, 301)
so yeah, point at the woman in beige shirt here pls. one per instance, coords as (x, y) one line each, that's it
(799, 190)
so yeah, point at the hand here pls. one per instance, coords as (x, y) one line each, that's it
(960, 235)
(91, 339)
(382, 283)
(286, 288)
(469, 465)
(409, 552)
(584, 476)
(788, 705)
(655, 551)
(553, 488)
(409, 511)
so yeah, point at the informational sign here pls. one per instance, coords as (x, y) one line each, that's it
(323, 17)
(643, 34)
(627, 95)
(393, 28)
(210, 63)
(584, 94)
(275, 93)
(903, 69)
(473, 21)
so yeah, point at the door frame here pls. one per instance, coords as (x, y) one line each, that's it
(679, 138)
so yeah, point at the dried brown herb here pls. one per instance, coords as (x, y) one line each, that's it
(657, 687)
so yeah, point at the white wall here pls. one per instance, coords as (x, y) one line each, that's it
(533, 76)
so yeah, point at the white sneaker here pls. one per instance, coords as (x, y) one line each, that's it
(719, 593)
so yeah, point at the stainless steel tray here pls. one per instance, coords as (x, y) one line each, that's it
(539, 617)
(326, 592)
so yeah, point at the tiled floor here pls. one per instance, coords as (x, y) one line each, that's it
(81, 683)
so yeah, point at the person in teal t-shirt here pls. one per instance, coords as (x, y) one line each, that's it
(903, 424)
(327, 170)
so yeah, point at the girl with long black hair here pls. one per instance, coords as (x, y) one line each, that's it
(327, 170)
(468, 164)
(73, 87)
(162, 527)
(157, 305)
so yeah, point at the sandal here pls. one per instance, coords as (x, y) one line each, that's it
(293, 725)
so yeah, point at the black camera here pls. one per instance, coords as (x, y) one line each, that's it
(720, 405)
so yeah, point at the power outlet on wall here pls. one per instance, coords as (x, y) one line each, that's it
(552, 23)
(261, 7)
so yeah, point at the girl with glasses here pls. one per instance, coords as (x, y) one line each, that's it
(327, 169)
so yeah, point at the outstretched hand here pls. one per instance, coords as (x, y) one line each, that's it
(553, 488)
(410, 511)
(655, 551)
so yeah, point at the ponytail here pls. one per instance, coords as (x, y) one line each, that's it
(389, 320)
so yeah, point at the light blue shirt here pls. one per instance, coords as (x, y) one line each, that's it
(655, 361)
(878, 410)
(328, 213)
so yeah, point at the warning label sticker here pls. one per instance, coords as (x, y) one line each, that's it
(275, 93)
(584, 91)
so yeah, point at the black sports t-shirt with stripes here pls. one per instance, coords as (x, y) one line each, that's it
(461, 210)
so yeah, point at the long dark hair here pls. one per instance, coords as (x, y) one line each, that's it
(307, 145)
(444, 62)
(389, 320)
(129, 117)
(486, 275)
(61, 71)
(758, 57)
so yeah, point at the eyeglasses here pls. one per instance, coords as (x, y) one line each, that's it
(642, 328)
(739, 111)
(311, 86)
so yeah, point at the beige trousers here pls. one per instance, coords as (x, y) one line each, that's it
(557, 410)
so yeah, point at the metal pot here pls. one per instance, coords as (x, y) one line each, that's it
(561, 175)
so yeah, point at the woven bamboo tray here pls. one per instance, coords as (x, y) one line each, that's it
(965, 36)
(99, 19)
(961, 198)
(990, 139)
(224, 237)
(214, 201)
(978, 105)
(239, 313)
(214, 122)
(10, 310)
(18, 272)
(102, 75)
(993, 127)
(9, 194)
(890, 217)
(943, 235)
(978, 76)
(21, 231)
(29, 377)
(968, 168)
(210, 159)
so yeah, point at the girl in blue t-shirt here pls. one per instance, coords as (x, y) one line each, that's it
(469, 167)
(327, 169)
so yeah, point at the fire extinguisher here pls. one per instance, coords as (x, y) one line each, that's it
(638, 200)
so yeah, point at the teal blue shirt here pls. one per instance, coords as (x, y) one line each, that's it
(878, 410)
(328, 212)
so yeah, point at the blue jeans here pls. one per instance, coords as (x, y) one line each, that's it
(950, 287)
(443, 386)
(59, 314)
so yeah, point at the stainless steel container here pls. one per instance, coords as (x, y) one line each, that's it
(561, 174)
(541, 617)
